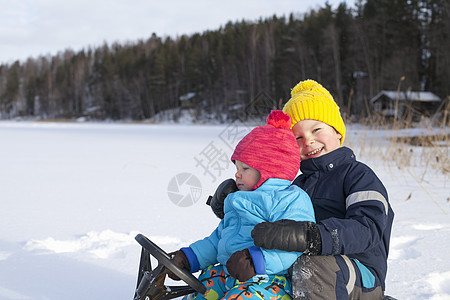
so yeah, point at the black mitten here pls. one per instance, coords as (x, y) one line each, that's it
(222, 191)
(181, 261)
(288, 235)
(240, 265)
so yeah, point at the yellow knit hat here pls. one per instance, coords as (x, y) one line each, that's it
(310, 100)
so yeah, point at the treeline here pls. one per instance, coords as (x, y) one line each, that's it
(354, 51)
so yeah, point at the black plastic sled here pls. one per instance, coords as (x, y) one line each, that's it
(150, 283)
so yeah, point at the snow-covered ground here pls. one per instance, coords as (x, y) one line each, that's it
(74, 195)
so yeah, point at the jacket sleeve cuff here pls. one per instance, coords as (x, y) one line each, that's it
(192, 258)
(258, 260)
(330, 241)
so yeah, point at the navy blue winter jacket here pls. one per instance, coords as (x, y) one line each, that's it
(351, 208)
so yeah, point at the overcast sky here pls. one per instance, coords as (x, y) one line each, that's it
(32, 28)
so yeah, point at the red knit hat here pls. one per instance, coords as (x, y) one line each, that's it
(271, 149)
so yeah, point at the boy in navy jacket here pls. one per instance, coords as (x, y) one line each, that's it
(348, 247)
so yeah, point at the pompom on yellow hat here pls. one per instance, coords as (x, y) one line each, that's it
(310, 100)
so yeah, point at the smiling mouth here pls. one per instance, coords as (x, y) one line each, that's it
(314, 152)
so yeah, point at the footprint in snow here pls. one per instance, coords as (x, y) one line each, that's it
(426, 227)
(402, 247)
(440, 283)
(4, 255)
(101, 244)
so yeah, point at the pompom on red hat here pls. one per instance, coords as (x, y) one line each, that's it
(271, 149)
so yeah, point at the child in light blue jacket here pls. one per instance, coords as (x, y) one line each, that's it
(266, 160)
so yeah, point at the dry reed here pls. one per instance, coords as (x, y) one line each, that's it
(403, 143)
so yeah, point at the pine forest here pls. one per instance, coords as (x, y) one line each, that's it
(353, 51)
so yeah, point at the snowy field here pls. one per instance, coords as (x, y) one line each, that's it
(74, 195)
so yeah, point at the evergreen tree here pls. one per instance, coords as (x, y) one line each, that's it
(353, 52)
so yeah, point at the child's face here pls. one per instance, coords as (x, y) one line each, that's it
(246, 176)
(315, 138)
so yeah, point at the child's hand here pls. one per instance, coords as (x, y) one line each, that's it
(288, 235)
(216, 201)
(240, 265)
(181, 261)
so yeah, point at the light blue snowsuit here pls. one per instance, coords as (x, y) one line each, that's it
(274, 200)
